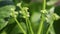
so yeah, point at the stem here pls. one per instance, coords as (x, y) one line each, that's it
(49, 27)
(19, 24)
(41, 24)
(44, 4)
(42, 19)
(28, 23)
(29, 26)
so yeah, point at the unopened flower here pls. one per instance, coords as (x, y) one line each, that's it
(55, 16)
(19, 4)
(12, 9)
(44, 11)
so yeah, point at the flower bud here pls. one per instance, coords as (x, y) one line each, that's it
(44, 11)
(19, 4)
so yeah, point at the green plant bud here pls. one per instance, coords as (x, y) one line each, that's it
(26, 8)
(24, 16)
(16, 13)
(20, 12)
(12, 9)
(19, 4)
(55, 16)
(48, 18)
(28, 15)
(44, 11)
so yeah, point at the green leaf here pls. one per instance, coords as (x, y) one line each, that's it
(4, 12)
(2, 23)
(8, 28)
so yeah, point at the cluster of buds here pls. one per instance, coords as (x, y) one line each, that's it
(13, 13)
(44, 11)
(52, 16)
(23, 11)
(55, 16)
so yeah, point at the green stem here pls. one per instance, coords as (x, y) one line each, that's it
(49, 27)
(18, 24)
(29, 26)
(41, 24)
(44, 4)
(42, 19)
(28, 23)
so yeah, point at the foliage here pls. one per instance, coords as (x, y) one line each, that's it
(29, 17)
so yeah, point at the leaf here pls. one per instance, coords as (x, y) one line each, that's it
(4, 12)
(8, 28)
(2, 23)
